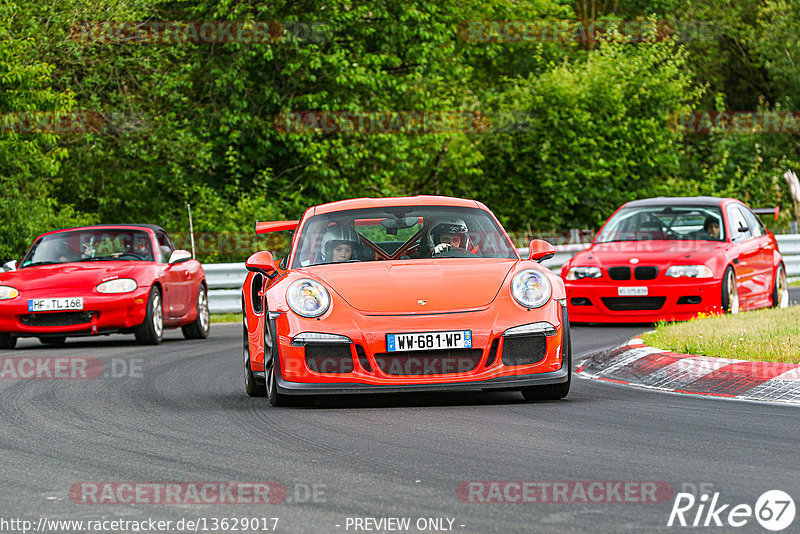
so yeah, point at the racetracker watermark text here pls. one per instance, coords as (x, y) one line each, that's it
(68, 368)
(197, 32)
(564, 491)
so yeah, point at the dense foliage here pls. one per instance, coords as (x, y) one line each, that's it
(565, 129)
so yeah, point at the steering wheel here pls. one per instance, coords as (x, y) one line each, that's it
(454, 252)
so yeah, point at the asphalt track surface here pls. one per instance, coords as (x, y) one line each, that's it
(182, 416)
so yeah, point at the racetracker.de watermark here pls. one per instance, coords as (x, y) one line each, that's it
(736, 122)
(169, 493)
(68, 122)
(566, 30)
(198, 32)
(68, 368)
(564, 491)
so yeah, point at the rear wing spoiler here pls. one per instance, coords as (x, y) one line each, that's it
(768, 211)
(265, 227)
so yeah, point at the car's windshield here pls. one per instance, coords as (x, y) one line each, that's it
(697, 223)
(90, 245)
(401, 233)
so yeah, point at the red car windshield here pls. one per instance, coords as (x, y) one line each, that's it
(695, 223)
(401, 233)
(90, 245)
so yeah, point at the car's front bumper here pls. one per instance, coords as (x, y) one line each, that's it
(598, 301)
(371, 369)
(101, 314)
(498, 384)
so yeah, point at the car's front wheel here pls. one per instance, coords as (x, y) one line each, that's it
(7, 341)
(555, 391)
(780, 290)
(198, 329)
(730, 292)
(251, 386)
(151, 330)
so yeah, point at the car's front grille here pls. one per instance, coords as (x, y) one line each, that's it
(619, 273)
(524, 350)
(329, 358)
(57, 318)
(645, 272)
(633, 303)
(434, 362)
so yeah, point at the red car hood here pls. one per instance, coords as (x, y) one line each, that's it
(649, 252)
(73, 275)
(449, 284)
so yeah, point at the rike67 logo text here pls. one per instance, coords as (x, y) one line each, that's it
(774, 510)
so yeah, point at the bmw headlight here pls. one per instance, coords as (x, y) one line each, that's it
(577, 273)
(692, 271)
(120, 285)
(530, 288)
(8, 292)
(308, 298)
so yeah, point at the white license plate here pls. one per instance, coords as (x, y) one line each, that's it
(632, 291)
(454, 339)
(73, 303)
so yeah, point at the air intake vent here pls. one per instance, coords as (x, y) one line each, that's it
(435, 362)
(329, 358)
(646, 273)
(633, 303)
(524, 350)
(619, 273)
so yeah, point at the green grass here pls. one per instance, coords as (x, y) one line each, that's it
(771, 335)
(226, 317)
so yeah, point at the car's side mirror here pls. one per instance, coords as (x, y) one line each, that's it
(262, 262)
(540, 250)
(179, 256)
(743, 229)
(10, 265)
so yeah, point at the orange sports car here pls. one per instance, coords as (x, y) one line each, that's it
(399, 295)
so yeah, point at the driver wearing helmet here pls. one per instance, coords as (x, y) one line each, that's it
(446, 234)
(339, 243)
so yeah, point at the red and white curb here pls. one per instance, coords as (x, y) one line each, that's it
(637, 364)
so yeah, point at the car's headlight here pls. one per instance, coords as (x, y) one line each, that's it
(692, 271)
(308, 298)
(120, 285)
(8, 292)
(530, 288)
(576, 273)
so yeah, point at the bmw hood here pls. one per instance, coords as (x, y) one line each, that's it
(649, 252)
(418, 287)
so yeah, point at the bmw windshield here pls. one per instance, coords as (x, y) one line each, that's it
(696, 223)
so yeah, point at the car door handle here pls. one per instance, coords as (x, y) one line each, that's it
(188, 274)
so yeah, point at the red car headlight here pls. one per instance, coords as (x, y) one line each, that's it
(8, 292)
(120, 285)
(531, 288)
(308, 298)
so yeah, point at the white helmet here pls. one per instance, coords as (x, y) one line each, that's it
(448, 225)
(336, 235)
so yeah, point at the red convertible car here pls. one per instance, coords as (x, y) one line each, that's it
(99, 280)
(672, 258)
(402, 294)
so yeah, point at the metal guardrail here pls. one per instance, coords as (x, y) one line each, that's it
(225, 279)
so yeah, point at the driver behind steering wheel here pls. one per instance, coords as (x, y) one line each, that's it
(447, 234)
